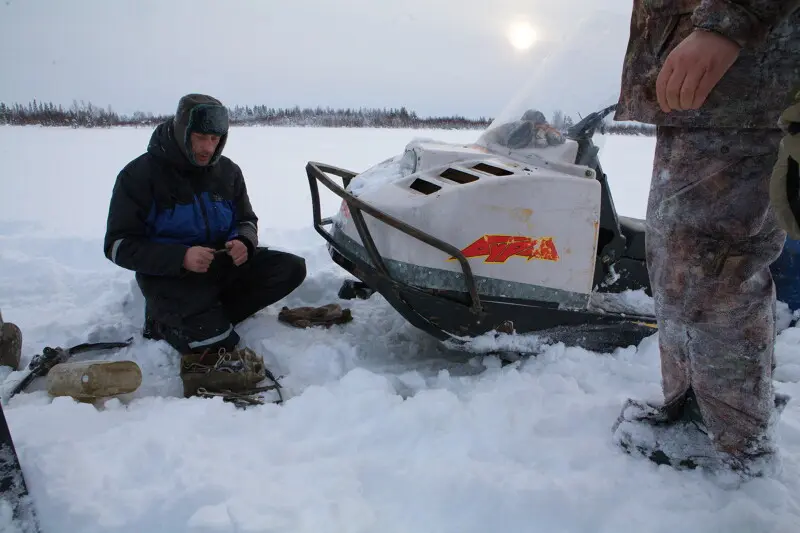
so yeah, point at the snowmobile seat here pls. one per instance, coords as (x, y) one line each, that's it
(634, 231)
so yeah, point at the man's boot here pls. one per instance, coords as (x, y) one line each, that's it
(10, 344)
(236, 371)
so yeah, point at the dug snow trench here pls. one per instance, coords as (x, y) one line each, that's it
(384, 429)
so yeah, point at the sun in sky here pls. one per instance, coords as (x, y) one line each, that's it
(521, 35)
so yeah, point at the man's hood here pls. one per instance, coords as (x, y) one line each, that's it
(165, 146)
(196, 113)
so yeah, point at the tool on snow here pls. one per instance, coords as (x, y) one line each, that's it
(41, 364)
(87, 381)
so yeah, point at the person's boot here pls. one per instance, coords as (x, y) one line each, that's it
(10, 344)
(239, 370)
(676, 435)
(671, 435)
(326, 315)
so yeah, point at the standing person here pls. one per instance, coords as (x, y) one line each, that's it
(180, 217)
(713, 75)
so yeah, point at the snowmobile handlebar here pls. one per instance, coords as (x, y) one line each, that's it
(319, 172)
(587, 126)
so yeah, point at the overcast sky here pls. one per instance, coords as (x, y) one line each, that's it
(434, 56)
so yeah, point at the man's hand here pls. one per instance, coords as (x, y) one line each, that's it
(198, 259)
(237, 250)
(693, 69)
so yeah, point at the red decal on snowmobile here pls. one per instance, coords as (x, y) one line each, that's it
(500, 248)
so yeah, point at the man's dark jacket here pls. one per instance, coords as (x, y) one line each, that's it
(162, 204)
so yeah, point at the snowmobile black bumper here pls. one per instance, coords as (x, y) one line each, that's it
(455, 315)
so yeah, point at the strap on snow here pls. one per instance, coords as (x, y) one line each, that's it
(92, 346)
(243, 399)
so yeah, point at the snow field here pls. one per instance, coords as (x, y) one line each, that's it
(384, 430)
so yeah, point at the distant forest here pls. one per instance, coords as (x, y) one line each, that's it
(87, 115)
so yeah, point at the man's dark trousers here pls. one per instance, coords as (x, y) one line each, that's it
(198, 311)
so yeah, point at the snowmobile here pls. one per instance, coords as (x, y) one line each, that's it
(516, 232)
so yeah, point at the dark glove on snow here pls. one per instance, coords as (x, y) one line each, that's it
(326, 315)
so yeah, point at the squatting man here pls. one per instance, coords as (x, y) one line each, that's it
(180, 217)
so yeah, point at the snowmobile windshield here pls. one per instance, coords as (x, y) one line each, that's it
(571, 78)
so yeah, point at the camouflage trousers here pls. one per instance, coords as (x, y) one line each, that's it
(711, 236)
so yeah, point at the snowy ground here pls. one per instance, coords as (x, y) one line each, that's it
(385, 431)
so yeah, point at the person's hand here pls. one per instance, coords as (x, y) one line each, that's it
(198, 259)
(693, 69)
(237, 250)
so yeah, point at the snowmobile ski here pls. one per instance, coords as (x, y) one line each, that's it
(13, 487)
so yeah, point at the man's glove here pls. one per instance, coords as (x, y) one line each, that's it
(784, 187)
(305, 317)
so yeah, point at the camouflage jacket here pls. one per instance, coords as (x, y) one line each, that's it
(755, 89)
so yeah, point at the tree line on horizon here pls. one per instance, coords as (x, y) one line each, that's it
(88, 115)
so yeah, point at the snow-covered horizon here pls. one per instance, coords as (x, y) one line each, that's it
(385, 430)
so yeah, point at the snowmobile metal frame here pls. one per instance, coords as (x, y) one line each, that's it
(318, 172)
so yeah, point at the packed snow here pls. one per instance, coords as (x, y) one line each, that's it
(384, 430)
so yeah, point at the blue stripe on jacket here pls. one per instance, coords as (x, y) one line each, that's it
(185, 223)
